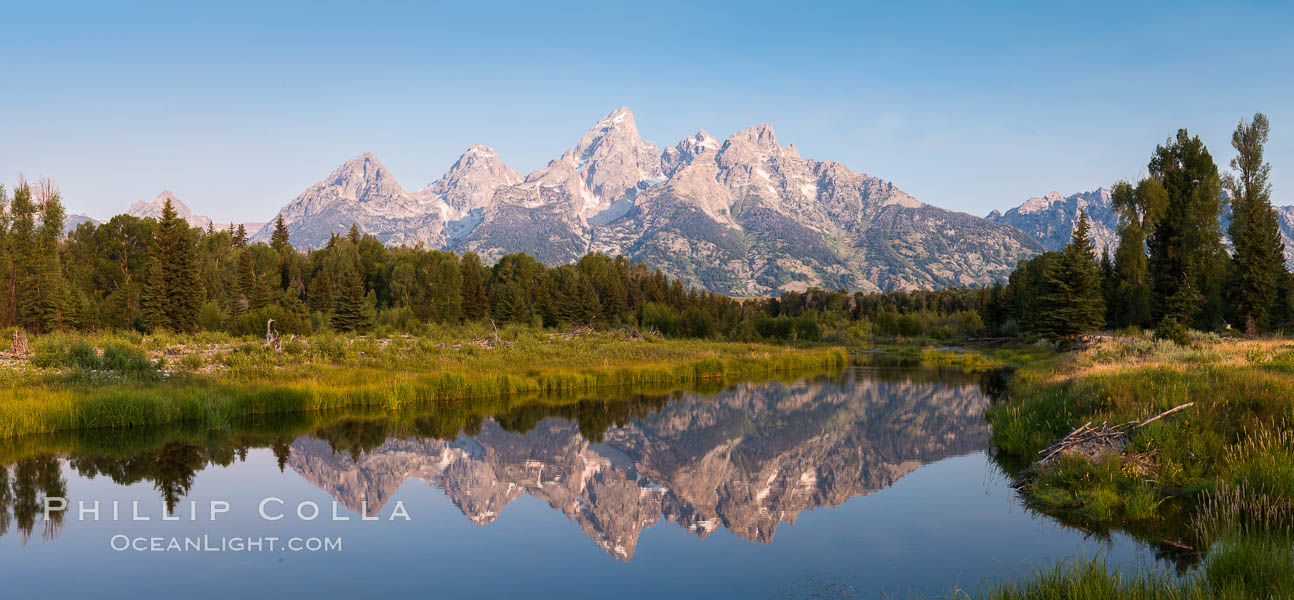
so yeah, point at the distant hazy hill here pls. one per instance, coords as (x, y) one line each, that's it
(1050, 220)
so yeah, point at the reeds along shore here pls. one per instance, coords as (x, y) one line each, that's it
(1207, 468)
(73, 381)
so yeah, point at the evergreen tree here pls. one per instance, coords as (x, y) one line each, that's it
(173, 293)
(1186, 243)
(279, 240)
(475, 303)
(240, 235)
(1109, 285)
(320, 292)
(246, 297)
(350, 310)
(1073, 302)
(23, 247)
(51, 293)
(1259, 261)
(445, 286)
(8, 284)
(354, 235)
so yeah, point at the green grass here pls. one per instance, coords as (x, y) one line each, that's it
(1217, 477)
(72, 384)
(1236, 398)
(1234, 570)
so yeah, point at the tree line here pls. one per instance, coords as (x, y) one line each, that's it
(162, 274)
(1171, 269)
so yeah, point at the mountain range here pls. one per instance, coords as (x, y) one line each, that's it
(1051, 218)
(743, 216)
(152, 209)
(747, 460)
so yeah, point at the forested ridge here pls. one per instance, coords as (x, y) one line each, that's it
(1169, 271)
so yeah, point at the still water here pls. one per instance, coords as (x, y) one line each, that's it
(865, 483)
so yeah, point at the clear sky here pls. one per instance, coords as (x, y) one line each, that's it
(237, 108)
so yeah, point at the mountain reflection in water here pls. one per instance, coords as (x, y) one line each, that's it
(746, 459)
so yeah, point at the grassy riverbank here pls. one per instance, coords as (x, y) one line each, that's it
(1236, 435)
(124, 380)
(1235, 570)
(1216, 478)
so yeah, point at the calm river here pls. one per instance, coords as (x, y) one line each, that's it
(867, 483)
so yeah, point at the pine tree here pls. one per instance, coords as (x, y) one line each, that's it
(1186, 242)
(279, 240)
(23, 247)
(1258, 262)
(1072, 301)
(350, 311)
(475, 303)
(1109, 285)
(320, 292)
(7, 274)
(53, 297)
(240, 235)
(173, 293)
(354, 235)
(246, 297)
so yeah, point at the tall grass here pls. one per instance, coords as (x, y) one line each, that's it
(1235, 569)
(331, 372)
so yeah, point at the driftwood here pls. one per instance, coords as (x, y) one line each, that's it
(272, 338)
(574, 333)
(1096, 443)
(19, 345)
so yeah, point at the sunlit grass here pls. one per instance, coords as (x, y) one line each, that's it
(214, 379)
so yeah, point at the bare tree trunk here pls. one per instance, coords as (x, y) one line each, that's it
(19, 345)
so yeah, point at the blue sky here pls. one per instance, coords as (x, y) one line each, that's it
(237, 108)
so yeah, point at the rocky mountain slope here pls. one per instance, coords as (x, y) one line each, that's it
(1051, 218)
(153, 209)
(747, 460)
(73, 221)
(746, 216)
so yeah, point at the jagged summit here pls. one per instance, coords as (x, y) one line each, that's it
(745, 216)
(361, 191)
(1050, 218)
(681, 154)
(469, 184)
(652, 469)
(146, 209)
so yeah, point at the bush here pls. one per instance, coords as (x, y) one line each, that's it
(128, 362)
(399, 319)
(253, 323)
(211, 317)
(74, 353)
(1169, 329)
(661, 318)
(698, 323)
(789, 329)
(910, 326)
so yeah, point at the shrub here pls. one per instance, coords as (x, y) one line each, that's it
(661, 318)
(211, 317)
(253, 323)
(1169, 329)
